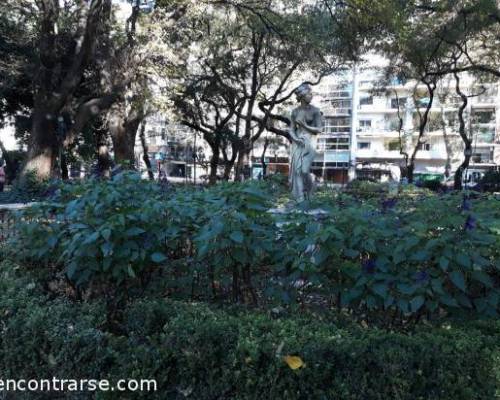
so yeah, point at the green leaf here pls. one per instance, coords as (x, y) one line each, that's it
(403, 305)
(464, 260)
(447, 300)
(78, 226)
(71, 270)
(158, 257)
(107, 248)
(421, 255)
(92, 238)
(482, 277)
(371, 301)
(380, 289)
(407, 289)
(130, 272)
(431, 305)
(457, 277)
(52, 241)
(351, 253)
(106, 264)
(106, 233)
(388, 301)
(416, 303)
(481, 304)
(464, 300)
(134, 231)
(237, 236)
(437, 285)
(444, 263)
(239, 255)
(320, 256)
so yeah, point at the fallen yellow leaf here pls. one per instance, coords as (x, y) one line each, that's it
(294, 362)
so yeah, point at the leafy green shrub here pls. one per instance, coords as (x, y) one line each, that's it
(432, 184)
(396, 257)
(405, 257)
(112, 228)
(28, 188)
(199, 352)
(367, 189)
(236, 238)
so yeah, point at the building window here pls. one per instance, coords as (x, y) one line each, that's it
(366, 101)
(482, 156)
(337, 125)
(363, 145)
(335, 143)
(365, 125)
(338, 103)
(393, 145)
(484, 117)
(398, 102)
(424, 146)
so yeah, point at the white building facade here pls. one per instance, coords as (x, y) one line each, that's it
(367, 128)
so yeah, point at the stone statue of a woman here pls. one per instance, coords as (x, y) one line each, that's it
(306, 123)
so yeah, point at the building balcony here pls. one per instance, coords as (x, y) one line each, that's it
(487, 137)
(394, 154)
(484, 100)
(378, 153)
(331, 111)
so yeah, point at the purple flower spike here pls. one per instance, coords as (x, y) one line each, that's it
(421, 276)
(466, 205)
(470, 223)
(388, 204)
(368, 266)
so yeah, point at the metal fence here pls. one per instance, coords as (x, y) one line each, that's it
(7, 224)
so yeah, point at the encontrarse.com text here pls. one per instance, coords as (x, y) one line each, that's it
(76, 385)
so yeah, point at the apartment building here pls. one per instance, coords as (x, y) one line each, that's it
(173, 149)
(368, 128)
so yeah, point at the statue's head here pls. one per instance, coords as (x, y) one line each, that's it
(304, 93)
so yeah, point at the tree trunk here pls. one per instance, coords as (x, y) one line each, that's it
(214, 163)
(103, 157)
(243, 162)
(123, 129)
(431, 87)
(55, 85)
(457, 181)
(228, 167)
(64, 166)
(123, 146)
(43, 147)
(409, 172)
(10, 165)
(457, 178)
(263, 157)
(145, 150)
(447, 142)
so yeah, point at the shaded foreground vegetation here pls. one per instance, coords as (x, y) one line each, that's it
(381, 294)
(202, 352)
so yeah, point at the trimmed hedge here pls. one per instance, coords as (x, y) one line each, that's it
(198, 352)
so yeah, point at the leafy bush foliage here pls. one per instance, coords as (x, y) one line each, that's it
(405, 256)
(200, 352)
(112, 228)
(28, 188)
(399, 257)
